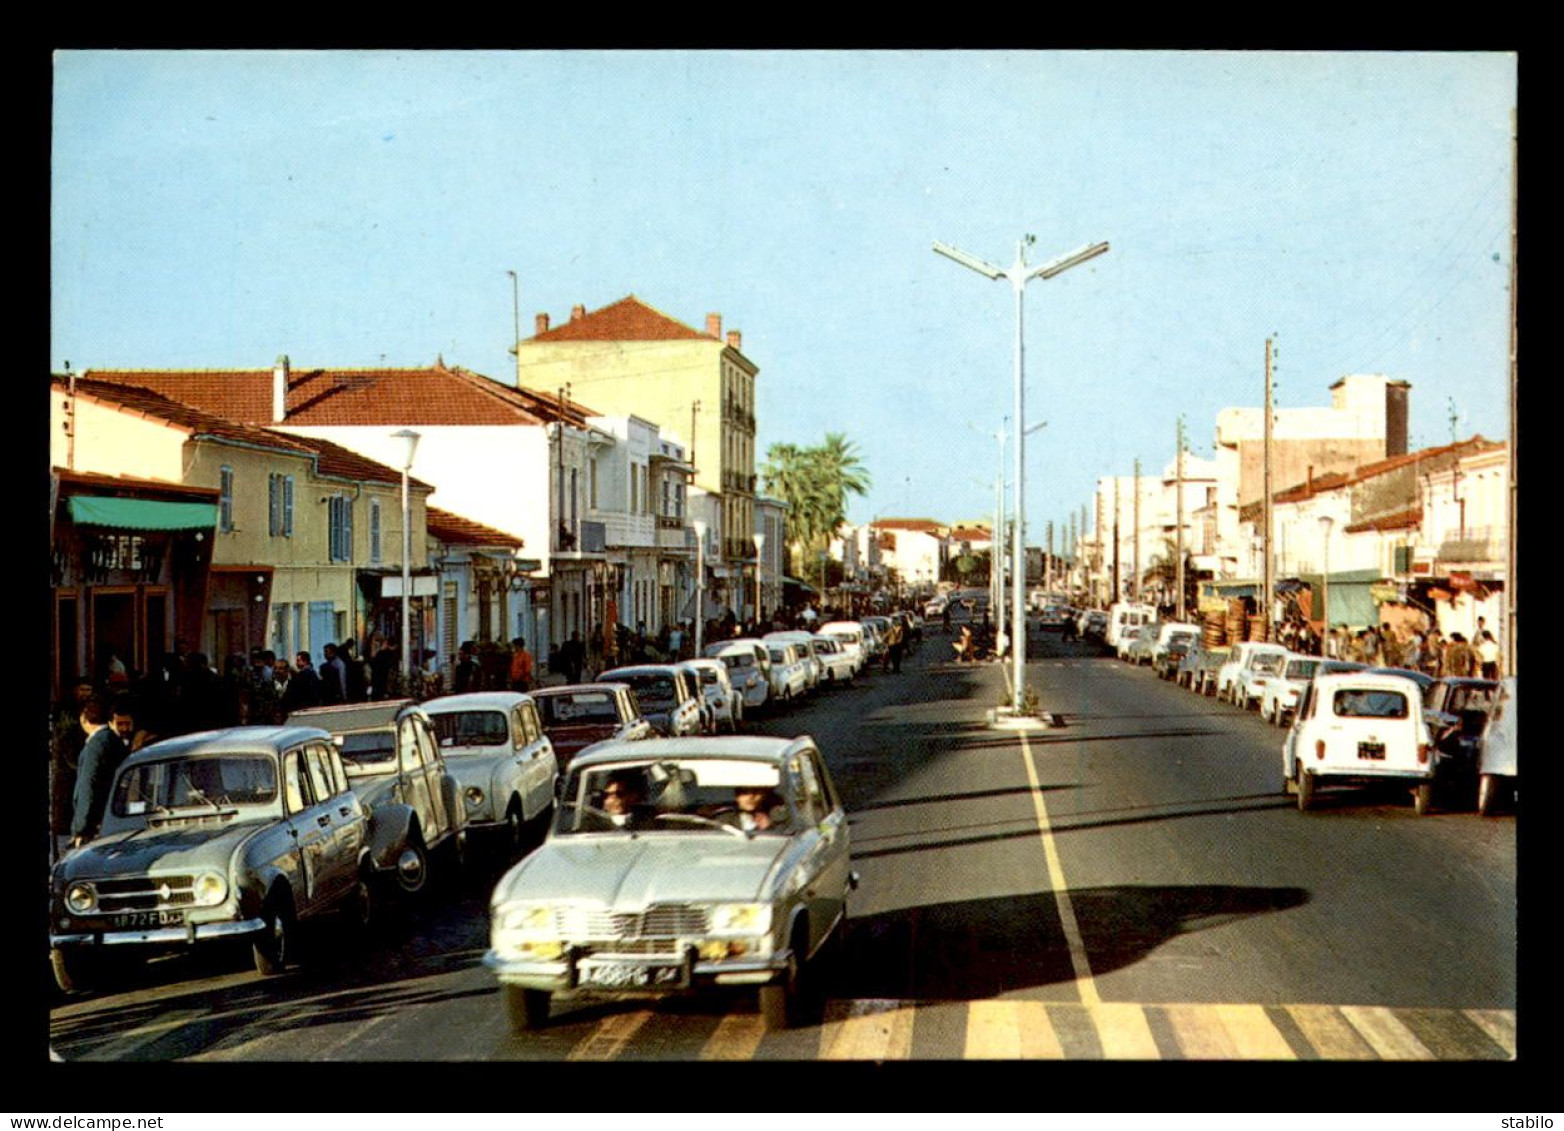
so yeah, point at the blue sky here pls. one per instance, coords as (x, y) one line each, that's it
(220, 208)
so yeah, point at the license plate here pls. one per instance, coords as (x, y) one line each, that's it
(150, 919)
(1372, 750)
(625, 975)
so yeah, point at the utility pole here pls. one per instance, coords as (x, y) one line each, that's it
(1267, 583)
(1511, 604)
(1178, 489)
(1115, 539)
(1048, 562)
(515, 309)
(1137, 530)
(695, 408)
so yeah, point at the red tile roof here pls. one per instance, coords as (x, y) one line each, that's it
(453, 529)
(628, 320)
(331, 459)
(92, 479)
(1400, 520)
(917, 525)
(1475, 444)
(377, 397)
(971, 534)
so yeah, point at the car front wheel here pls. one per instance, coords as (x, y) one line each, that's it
(525, 1009)
(273, 950)
(412, 868)
(75, 971)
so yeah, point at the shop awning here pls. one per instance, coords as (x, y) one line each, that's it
(141, 514)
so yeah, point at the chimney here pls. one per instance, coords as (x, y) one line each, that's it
(735, 340)
(714, 325)
(1397, 409)
(577, 311)
(540, 323)
(280, 390)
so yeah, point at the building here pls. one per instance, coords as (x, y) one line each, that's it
(771, 545)
(913, 551)
(630, 359)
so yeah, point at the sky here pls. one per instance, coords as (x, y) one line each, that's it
(217, 209)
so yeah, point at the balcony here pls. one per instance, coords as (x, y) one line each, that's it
(1459, 550)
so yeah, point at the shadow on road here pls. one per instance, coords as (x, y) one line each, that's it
(979, 948)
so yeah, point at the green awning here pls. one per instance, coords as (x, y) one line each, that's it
(141, 514)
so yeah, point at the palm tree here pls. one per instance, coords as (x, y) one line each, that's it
(815, 483)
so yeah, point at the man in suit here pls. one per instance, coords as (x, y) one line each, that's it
(100, 758)
(304, 689)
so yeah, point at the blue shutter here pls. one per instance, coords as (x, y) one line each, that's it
(287, 506)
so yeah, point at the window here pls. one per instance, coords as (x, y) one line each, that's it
(635, 489)
(407, 747)
(279, 496)
(319, 767)
(374, 531)
(225, 498)
(295, 781)
(341, 522)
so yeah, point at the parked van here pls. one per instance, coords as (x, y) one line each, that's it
(1123, 615)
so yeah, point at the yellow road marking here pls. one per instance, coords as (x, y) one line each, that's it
(872, 1030)
(610, 1037)
(1328, 1031)
(1389, 1037)
(1254, 1033)
(993, 1031)
(1200, 1033)
(1084, 983)
(1499, 1024)
(1123, 1031)
(737, 1037)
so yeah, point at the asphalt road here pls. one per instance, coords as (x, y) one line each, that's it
(1130, 885)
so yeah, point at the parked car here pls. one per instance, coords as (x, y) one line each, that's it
(1240, 660)
(1497, 764)
(789, 677)
(667, 698)
(1052, 618)
(1127, 640)
(675, 895)
(1142, 648)
(749, 669)
(1094, 623)
(1203, 673)
(1356, 727)
(849, 635)
(1172, 656)
(707, 712)
(1169, 631)
(840, 666)
(394, 764)
(576, 716)
(726, 707)
(1456, 711)
(1123, 615)
(238, 834)
(495, 746)
(1279, 694)
(1249, 681)
(814, 669)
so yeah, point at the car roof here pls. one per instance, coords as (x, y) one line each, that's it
(229, 740)
(634, 670)
(852, 624)
(755, 747)
(596, 688)
(354, 716)
(475, 701)
(1379, 681)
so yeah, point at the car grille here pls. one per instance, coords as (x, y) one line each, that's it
(658, 922)
(634, 948)
(145, 893)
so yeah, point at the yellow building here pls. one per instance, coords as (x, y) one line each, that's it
(630, 359)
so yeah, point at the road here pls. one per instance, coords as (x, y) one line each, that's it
(1130, 885)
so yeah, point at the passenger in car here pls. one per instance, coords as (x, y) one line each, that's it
(624, 800)
(757, 809)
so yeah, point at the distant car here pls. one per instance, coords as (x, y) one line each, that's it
(1052, 618)
(1169, 631)
(1498, 766)
(840, 667)
(394, 764)
(1279, 694)
(850, 636)
(242, 834)
(576, 716)
(1128, 639)
(1241, 661)
(1203, 673)
(814, 670)
(1356, 727)
(726, 706)
(749, 669)
(667, 698)
(1142, 649)
(495, 746)
(1168, 660)
(789, 677)
(1093, 622)
(936, 607)
(682, 892)
(1249, 683)
(1456, 711)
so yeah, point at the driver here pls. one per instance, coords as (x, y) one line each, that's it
(624, 800)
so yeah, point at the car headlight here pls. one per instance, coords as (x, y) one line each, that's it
(474, 797)
(210, 889)
(525, 921)
(82, 899)
(740, 919)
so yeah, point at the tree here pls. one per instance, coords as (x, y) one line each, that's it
(815, 483)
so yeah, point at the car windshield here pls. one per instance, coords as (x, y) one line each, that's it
(1301, 669)
(652, 690)
(1268, 664)
(1363, 703)
(471, 728)
(368, 752)
(737, 660)
(708, 675)
(672, 796)
(778, 656)
(578, 708)
(212, 782)
(825, 646)
(1470, 698)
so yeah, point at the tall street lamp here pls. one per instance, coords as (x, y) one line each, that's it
(409, 440)
(1019, 275)
(1326, 522)
(760, 551)
(700, 585)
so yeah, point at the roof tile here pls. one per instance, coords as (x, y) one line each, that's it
(628, 320)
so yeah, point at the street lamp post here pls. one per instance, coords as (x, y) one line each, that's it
(409, 440)
(760, 551)
(1326, 522)
(700, 586)
(1019, 274)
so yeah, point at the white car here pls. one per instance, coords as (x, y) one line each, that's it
(1128, 639)
(726, 706)
(814, 670)
(495, 748)
(1356, 727)
(1279, 694)
(1240, 658)
(839, 665)
(1249, 682)
(749, 670)
(1497, 765)
(850, 635)
(789, 678)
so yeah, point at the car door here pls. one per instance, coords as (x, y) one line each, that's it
(446, 794)
(415, 782)
(825, 862)
(309, 838)
(538, 765)
(338, 860)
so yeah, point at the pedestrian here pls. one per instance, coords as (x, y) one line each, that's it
(333, 677)
(1488, 655)
(1412, 653)
(355, 678)
(520, 666)
(200, 695)
(383, 663)
(573, 653)
(100, 757)
(1434, 654)
(304, 686)
(64, 757)
(895, 642)
(1460, 660)
(466, 678)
